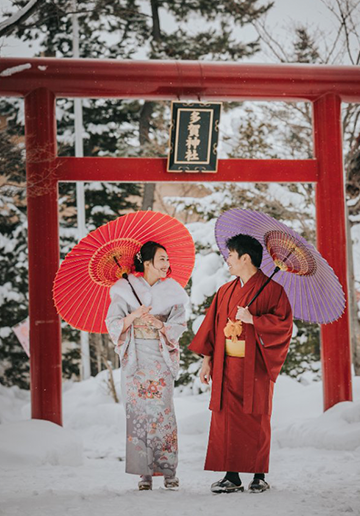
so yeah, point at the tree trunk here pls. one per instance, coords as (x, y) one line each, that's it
(146, 112)
(110, 351)
(156, 20)
(145, 117)
(111, 382)
(95, 339)
(148, 196)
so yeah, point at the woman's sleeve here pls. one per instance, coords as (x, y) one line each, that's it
(114, 321)
(174, 327)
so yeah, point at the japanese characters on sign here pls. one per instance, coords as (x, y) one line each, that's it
(194, 135)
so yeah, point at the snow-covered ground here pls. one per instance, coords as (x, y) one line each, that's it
(79, 469)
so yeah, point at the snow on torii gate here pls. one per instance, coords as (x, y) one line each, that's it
(41, 81)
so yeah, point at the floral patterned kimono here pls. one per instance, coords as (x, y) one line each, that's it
(150, 362)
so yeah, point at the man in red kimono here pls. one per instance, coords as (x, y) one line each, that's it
(244, 350)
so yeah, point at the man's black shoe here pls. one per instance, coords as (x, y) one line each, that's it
(225, 486)
(257, 485)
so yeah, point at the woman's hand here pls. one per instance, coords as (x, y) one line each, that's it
(141, 311)
(205, 371)
(153, 321)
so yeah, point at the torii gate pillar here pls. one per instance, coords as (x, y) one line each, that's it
(43, 244)
(40, 81)
(331, 238)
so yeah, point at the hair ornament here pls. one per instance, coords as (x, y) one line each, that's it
(138, 256)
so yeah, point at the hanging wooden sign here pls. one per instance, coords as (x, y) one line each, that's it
(194, 135)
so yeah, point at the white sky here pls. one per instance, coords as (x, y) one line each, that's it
(282, 19)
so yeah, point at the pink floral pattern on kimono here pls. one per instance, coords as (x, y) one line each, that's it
(168, 337)
(150, 362)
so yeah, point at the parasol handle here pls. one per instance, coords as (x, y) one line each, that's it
(273, 274)
(264, 285)
(125, 276)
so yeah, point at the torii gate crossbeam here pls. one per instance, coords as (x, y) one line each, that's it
(41, 81)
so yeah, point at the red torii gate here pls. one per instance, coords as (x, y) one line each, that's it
(41, 81)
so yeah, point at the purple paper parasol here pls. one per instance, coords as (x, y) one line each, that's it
(313, 289)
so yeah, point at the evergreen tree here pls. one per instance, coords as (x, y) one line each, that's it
(305, 48)
(14, 364)
(295, 211)
(337, 47)
(125, 29)
(133, 31)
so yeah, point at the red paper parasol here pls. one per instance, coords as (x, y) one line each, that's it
(82, 283)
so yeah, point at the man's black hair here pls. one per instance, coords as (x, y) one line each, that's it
(246, 244)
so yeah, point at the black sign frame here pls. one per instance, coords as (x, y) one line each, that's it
(194, 136)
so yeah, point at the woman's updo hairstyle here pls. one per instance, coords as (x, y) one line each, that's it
(146, 254)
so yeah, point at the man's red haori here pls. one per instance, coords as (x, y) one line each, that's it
(242, 388)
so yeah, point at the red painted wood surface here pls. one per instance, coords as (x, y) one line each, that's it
(331, 238)
(43, 243)
(154, 169)
(165, 80)
(326, 86)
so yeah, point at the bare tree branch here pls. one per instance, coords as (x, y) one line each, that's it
(347, 25)
(270, 41)
(344, 17)
(9, 25)
(334, 45)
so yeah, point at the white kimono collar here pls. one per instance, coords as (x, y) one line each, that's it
(161, 296)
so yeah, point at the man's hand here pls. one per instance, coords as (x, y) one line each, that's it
(244, 315)
(205, 376)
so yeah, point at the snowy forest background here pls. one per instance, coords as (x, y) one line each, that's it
(158, 29)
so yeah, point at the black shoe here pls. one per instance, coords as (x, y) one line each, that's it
(257, 485)
(225, 486)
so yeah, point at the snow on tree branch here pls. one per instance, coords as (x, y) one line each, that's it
(7, 27)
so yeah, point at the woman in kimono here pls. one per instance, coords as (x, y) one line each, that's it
(146, 338)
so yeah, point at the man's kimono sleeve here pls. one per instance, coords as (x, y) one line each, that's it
(273, 332)
(114, 321)
(204, 341)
